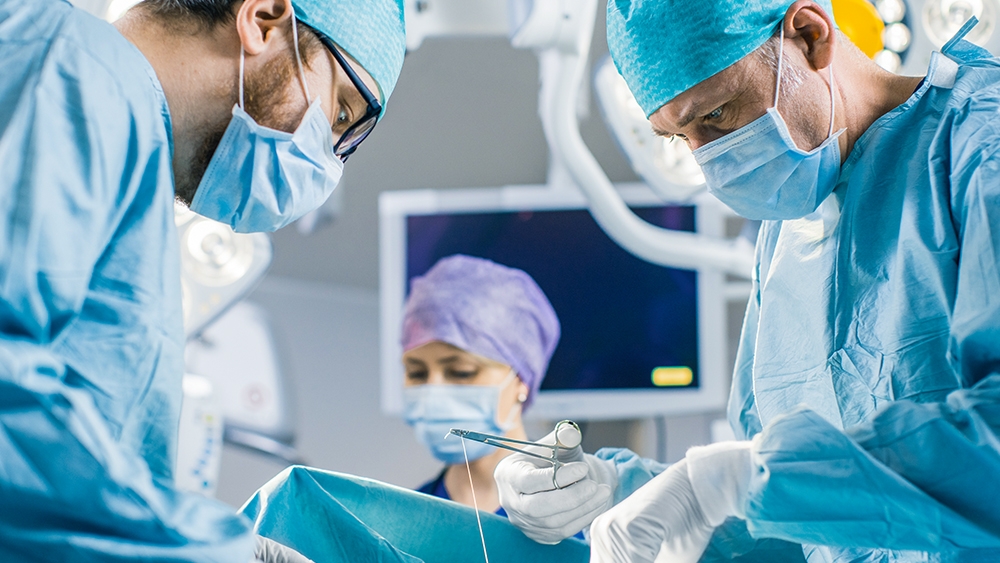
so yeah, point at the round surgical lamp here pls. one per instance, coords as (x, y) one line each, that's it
(860, 21)
(218, 267)
(666, 165)
(878, 27)
(943, 18)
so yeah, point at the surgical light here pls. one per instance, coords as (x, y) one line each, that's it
(896, 37)
(667, 166)
(878, 27)
(943, 18)
(218, 266)
(891, 11)
(889, 60)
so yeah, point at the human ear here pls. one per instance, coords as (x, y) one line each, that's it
(257, 21)
(810, 27)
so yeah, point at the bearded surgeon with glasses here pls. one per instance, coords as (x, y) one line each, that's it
(246, 111)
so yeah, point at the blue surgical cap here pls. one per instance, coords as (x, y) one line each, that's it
(370, 31)
(664, 47)
(482, 307)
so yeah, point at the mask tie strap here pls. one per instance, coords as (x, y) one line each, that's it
(242, 61)
(777, 86)
(781, 56)
(833, 104)
(298, 57)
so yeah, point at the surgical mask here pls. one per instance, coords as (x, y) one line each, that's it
(433, 410)
(760, 173)
(278, 176)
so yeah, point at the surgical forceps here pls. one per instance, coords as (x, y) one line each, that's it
(567, 434)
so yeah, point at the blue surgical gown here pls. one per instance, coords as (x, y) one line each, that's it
(91, 340)
(869, 366)
(435, 487)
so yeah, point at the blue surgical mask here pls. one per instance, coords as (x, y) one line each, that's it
(433, 410)
(759, 172)
(261, 179)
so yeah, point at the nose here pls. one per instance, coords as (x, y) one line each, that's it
(696, 141)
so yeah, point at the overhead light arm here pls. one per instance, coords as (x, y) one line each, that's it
(573, 25)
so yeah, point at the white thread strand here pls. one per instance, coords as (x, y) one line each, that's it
(474, 503)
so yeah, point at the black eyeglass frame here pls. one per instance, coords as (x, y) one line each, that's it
(345, 146)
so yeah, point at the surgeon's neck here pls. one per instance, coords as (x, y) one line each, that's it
(198, 71)
(456, 478)
(866, 93)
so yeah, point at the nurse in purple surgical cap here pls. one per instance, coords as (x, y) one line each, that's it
(477, 339)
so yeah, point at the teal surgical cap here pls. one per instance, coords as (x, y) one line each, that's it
(664, 47)
(370, 31)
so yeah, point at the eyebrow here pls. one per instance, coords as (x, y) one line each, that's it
(449, 360)
(687, 117)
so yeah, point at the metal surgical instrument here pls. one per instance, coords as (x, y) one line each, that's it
(567, 436)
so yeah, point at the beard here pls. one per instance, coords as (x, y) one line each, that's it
(265, 93)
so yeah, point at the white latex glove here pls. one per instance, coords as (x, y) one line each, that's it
(674, 515)
(548, 514)
(270, 551)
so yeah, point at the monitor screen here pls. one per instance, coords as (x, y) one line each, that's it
(637, 338)
(626, 323)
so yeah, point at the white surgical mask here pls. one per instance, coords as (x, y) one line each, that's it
(760, 173)
(261, 179)
(433, 410)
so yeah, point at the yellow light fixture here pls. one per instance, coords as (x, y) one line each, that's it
(861, 23)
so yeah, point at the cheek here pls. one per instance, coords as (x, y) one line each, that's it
(321, 85)
(809, 116)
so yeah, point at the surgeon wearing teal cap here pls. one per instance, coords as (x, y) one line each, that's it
(244, 109)
(866, 393)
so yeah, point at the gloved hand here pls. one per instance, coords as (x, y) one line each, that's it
(270, 551)
(675, 514)
(547, 513)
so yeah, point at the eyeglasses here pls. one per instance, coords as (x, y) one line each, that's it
(357, 132)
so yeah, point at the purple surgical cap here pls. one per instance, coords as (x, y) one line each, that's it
(482, 307)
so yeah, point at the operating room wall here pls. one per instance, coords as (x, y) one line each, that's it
(464, 114)
(327, 337)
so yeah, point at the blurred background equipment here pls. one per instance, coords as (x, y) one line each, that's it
(218, 267)
(199, 444)
(238, 395)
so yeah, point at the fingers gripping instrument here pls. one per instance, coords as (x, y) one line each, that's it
(565, 449)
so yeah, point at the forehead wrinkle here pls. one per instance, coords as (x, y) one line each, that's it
(688, 114)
